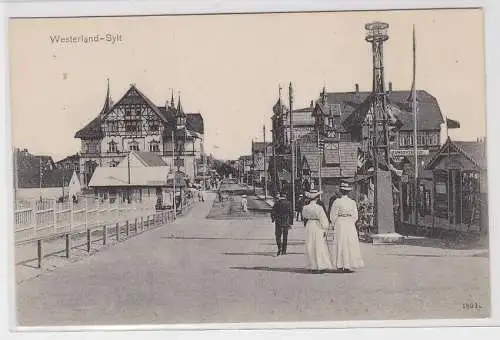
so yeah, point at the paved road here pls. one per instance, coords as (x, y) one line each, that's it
(208, 270)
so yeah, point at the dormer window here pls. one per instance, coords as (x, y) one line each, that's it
(335, 110)
(112, 146)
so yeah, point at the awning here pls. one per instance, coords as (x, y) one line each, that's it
(135, 176)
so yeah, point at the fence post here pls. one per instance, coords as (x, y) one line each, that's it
(88, 240)
(40, 253)
(68, 245)
(128, 228)
(135, 226)
(33, 217)
(142, 224)
(147, 222)
(118, 231)
(104, 235)
(86, 211)
(54, 216)
(71, 217)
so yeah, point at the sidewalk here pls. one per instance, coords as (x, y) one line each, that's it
(26, 254)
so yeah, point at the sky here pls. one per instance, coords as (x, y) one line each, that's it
(229, 68)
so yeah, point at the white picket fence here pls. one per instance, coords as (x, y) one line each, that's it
(42, 218)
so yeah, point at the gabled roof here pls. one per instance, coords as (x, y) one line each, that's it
(91, 130)
(194, 121)
(340, 161)
(73, 158)
(149, 158)
(429, 114)
(474, 151)
(129, 97)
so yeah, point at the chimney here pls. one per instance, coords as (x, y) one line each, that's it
(390, 86)
(357, 87)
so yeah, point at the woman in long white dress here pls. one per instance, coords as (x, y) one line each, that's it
(343, 216)
(317, 253)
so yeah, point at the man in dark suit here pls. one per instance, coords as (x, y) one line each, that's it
(282, 216)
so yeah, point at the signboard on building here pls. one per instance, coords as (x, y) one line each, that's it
(408, 152)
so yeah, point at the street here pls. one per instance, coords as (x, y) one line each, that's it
(200, 270)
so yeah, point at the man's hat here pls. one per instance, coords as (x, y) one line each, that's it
(345, 186)
(243, 196)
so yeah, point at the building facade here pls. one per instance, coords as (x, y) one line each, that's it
(135, 123)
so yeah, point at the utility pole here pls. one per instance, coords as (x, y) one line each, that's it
(128, 171)
(292, 141)
(320, 157)
(415, 139)
(174, 174)
(265, 157)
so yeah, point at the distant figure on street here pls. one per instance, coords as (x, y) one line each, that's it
(317, 253)
(244, 203)
(298, 207)
(75, 200)
(282, 216)
(343, 216)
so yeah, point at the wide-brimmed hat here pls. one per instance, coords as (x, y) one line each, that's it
(313, 194)
(243, 196)
(345, 186)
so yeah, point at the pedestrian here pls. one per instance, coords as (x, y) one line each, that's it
(282, 216)
(244, 203)
(317, 253)
(343, 216)
(298, 207)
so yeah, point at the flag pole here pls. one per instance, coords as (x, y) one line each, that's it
(174, 173)
(292, 142)
(40, 160)
(414, 95)
(415, 139)
(265, 156)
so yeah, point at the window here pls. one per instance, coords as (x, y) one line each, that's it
(133, 146)
(335, 110)
(128, 111)
(132, 126)
(138, 110)
(112, 126)
(112, 146)
(421, 139)
(154, 146)
(154, 127)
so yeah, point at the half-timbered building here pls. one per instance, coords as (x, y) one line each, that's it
(135, 123)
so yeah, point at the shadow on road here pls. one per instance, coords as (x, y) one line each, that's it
(447, 243)
(256, 253)
(482, 254)
(213, 238)
(293, 243)
(289, 270)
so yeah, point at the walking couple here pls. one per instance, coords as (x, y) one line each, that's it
(346, 253)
